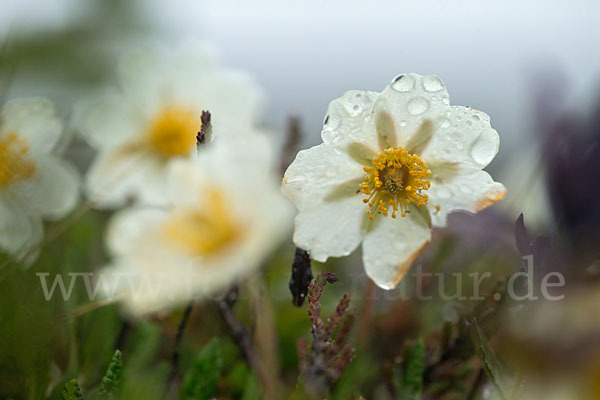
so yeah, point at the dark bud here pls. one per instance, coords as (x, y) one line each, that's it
(205, 129)
(522, 240)
(301, 277)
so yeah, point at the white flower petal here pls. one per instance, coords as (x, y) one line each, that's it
(409, 100)
(19, 233)
(331, 230)
(349, 120)
(322, 182)
(127, 226)
(463, 137)
(317, 173)
(108, 120)
(390, 249)
(52, 192)
(143, 76)
(455, 189)
(33, 119)
(114, 179)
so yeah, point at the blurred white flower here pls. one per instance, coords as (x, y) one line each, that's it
(224, 217)
(34, 184)
(156, 116)
(391, 165)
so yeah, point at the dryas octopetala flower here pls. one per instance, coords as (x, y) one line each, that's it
(224, 216)
(156, 116)
(34, 184)
(391, 165)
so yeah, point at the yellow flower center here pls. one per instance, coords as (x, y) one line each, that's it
(14, 164)
(173, 131)
(396, 179)
(204, 232)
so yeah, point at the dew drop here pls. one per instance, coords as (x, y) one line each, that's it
(444, 123)
(484, 148)
(445, 100)
(417, 106)
(432, 83)
(403, 83)
(402, 123)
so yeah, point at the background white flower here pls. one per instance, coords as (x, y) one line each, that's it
(405, 151)
(155, 117)
(225, 215)
(34, 184)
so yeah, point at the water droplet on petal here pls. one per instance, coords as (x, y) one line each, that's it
(445, 100)
(417, 106)
(475, 117)
(484, 148)
(432, 83)
(444, 123)
(402, 123)
(403, 83)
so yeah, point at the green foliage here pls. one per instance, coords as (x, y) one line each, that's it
(488, 358)
(411, 383)
(72, 391)
(109, 388)
(200, 382)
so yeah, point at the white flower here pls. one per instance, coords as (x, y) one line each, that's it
(34, 184)
(225, 215)
(156, 117)
(405, 152)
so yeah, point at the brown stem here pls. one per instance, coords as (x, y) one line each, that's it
(243, 340)
(175, 357)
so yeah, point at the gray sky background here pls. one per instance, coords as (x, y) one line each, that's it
(489, 54)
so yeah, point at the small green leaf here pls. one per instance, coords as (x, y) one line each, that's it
(72, 391)
(109, 388)
(200, 381)
(488, 358)
(412, 377)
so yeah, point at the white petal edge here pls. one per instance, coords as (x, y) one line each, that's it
(463, 137)
(52, 192)
(468, 190)
(349, 119)
(35, 120)
(408, 102)
(316, 173)
(391, 248)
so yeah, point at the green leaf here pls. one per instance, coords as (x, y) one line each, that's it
(200, 382)
(412, 377)
(109, 388)
(72, 391)
(488, 358)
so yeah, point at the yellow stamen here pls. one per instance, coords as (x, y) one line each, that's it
(14, 164)
(173, 131)
(204, 231)
(396, 179)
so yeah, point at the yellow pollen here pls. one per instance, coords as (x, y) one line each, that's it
(14, 164)
(204, 231)
(396, 180)
(173, 131)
